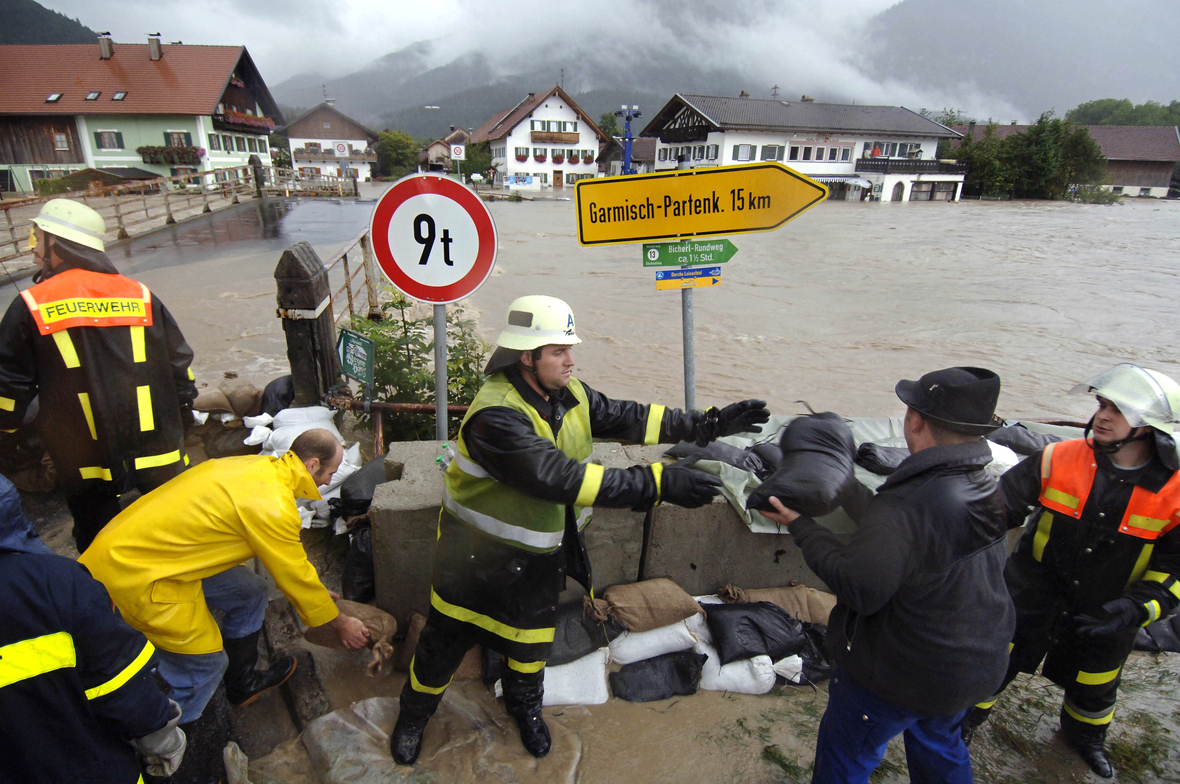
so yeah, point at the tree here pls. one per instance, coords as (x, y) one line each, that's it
(280, 150)
(479, 159)
(1036, 155)
(1082, 161)
(989, 172)
(397, 153)
(609, 124)
(1116, 111)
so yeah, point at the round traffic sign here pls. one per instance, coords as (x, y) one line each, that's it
(341, 148)
(434, 238)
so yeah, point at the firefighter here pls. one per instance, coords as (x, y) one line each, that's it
(517, 497)
(75, 680)
(108, 362)
(1101, 554)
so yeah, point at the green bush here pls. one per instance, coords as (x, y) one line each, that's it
(515, 196)
(52, 186)
(1094, 194)
(401, 369)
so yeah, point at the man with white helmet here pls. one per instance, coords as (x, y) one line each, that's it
(517, 496)
(108, 363)
(1101, 554)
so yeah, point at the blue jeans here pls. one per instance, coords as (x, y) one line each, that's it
(857, 725)
(193, 677)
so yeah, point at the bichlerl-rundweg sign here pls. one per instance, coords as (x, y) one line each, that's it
(682, 254)
(691, 203)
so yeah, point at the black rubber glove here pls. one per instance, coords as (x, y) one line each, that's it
(743, 417)
(1119, 614)
(687, 487)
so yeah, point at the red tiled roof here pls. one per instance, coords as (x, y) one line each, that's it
(186, 80)
(502, 123)
(1118, 142)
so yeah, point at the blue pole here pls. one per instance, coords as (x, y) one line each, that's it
(627, 145)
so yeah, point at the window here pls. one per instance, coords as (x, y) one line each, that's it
(53, 98)
(772, 152)
(845, 153)
(570, 127)
(544, 177)
(61, 141)
(227, 143)
(743, 152)
(572, 155)
(251, 144)
(794, 152)
(1117, 189)
(312, 147)
(186, 170)
(175, 138)
(93, 95)
(108, 140)
(241, 143)
(540, 152)
(119, 95)
(820, 152)
(1145, 191)
(214, 142)
(327, 124)
(807, 153)
(698, 152)
(711, 152)
(662, 154)
(522, 152)
(832, 152)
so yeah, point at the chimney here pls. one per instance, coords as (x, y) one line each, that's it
(744, 94)
(154, 48)
(806, 99)
(330, 101)
(106, 47)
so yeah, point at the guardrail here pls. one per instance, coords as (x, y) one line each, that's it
(906, 166)
(136, 207)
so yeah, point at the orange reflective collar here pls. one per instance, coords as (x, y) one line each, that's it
(1067, 476)
(79, 298)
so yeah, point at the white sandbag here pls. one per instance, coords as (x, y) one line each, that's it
(747, 676)
(1003, 458)
(581, 682)
(258, 435)
(699, 626)
(262, 420)
(631, 647)
(711, 599)
(290, 423)
(790, 668)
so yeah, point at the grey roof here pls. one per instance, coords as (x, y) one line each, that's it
(749, 114)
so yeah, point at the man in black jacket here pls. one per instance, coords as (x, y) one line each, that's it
(922, 619)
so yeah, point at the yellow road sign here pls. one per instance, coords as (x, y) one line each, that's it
(692, 203)
(687, 283)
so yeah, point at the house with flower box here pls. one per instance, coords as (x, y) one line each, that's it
(165, 108)
(545, 141)
(327, 142)
(887, 153)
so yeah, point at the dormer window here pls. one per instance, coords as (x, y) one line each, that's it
(93, 95)
(119, 95)
(53, 98)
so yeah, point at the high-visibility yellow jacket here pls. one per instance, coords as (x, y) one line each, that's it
(153, 556)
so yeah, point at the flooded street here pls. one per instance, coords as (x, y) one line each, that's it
(833, 308)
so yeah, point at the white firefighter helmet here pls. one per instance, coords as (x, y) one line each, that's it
(73, 221)
(1146, 398)
(535, 321)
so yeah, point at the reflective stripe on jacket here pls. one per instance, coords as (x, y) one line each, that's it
(504, 513)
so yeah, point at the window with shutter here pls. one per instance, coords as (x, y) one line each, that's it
(711, 152)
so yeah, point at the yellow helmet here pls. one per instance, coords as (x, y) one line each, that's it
(1146, 398)
(536, 321)
(72, 221)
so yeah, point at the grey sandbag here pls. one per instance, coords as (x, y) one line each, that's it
(1161, 636)
(743, 631)
(771, 455)
(817, 465)
(720, 451)
(577, 635)
(880, 460)
(659, 678)
(1021, 440)
(356, 492)
(817, 662)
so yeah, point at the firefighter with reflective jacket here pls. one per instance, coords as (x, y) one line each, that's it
(77, 698)
(518, 495)
(1101, 554)
(108, 363)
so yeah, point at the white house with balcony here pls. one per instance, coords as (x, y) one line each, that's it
(545, 141)
(883, 152)
(325, 142)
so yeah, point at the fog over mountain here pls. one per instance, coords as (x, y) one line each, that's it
(384, 61)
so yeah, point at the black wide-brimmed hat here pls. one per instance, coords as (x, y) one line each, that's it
(962, 399)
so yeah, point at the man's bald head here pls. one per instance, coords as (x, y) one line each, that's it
(320, 451)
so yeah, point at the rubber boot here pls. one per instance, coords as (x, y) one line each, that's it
(1089, 741)
(975, 718)
(523, 697)
(416, 709)
(243, 683)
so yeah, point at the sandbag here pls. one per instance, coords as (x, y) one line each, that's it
(649, 604)
(800, 602)
(356, 492)
(381, 625)
(580, 682)
(469, 670)
(213, 401)
(790, 669)
(359, 581)
(279, 394)
(744, 459)
(1159, 637)
(880, 460)
(743, 631)
(577, 634)
(770, 455)
(817, 661)
(631, 647)
(745, 676)
(244, 398)
(817, 465)
(660, 678)
(1021, 440)
(699, 628)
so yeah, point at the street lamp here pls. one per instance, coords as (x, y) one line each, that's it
(627, 114)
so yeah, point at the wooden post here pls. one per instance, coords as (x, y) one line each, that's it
(119, 219)
(304, 300)
(348, 287)
(371, 277)
(11, 229)
(167, 207)
(256, 167)
(205, 191)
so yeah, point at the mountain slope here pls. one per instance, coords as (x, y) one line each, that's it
(27, 22)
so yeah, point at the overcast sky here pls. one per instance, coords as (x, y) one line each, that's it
(801, 45)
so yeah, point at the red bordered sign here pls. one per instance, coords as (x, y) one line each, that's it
(434, 238)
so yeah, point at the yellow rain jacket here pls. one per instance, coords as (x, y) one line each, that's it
(211, 518)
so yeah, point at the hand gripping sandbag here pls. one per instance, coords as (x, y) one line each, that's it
(660, 678)
(743, 631)
(818, 451)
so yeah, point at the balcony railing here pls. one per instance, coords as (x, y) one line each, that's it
(329, 152)
(907, 166)
(554, 137)
(237, 121)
